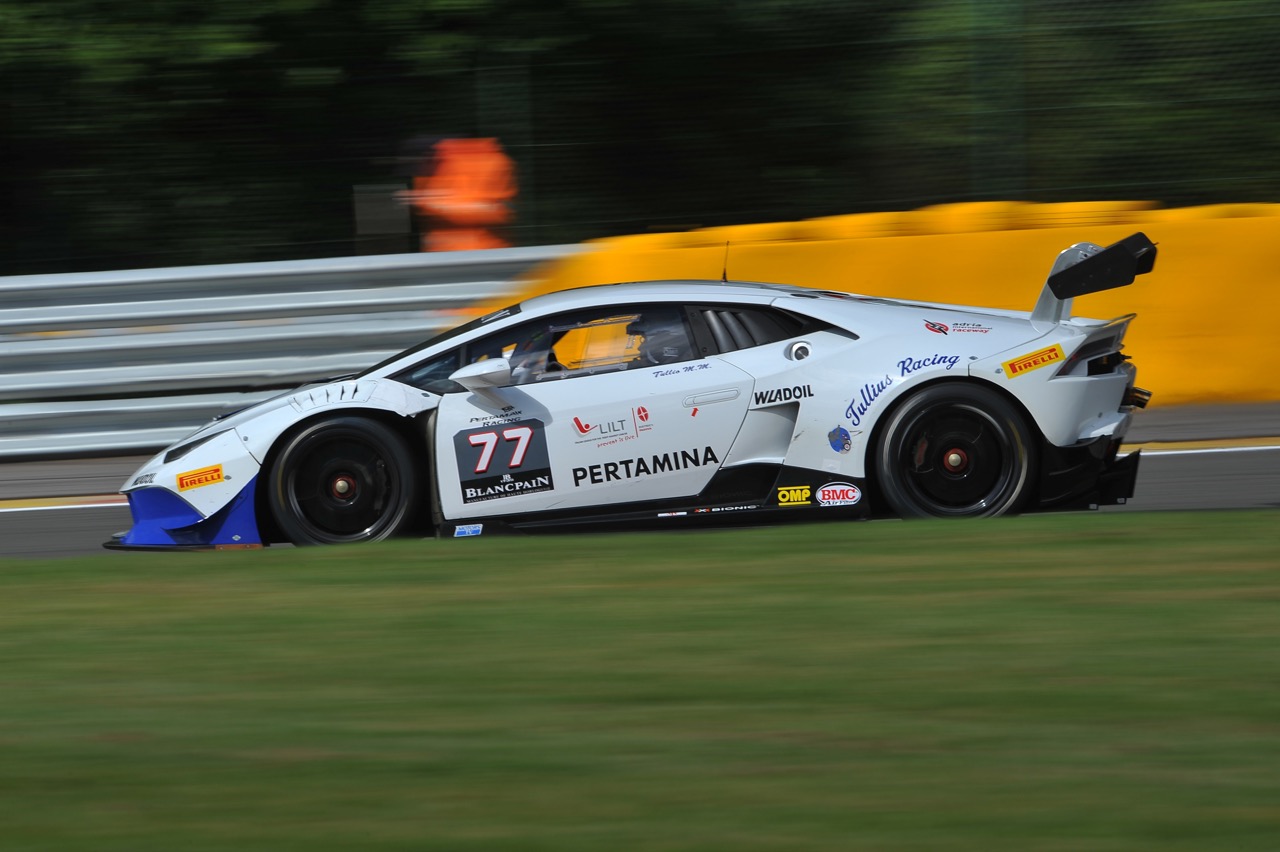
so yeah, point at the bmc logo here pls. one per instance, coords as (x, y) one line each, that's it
(794, 495)
(839, 494)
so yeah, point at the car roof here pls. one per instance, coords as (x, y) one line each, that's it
(837, 306)
(686, 290)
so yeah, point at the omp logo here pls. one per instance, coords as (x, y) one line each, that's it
(198, 478)
(794, 495)
(1033, 361)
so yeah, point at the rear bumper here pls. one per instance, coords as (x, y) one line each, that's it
(1117, 482)
(1087, 476)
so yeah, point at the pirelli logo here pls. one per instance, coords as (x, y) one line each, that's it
(197, 478)
(1033, 361)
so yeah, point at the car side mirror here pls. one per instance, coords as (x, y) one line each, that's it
(483, 375)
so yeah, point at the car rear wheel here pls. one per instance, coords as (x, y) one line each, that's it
(342, 480)
(955, 451)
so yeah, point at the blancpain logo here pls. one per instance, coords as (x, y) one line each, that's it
(507, 487)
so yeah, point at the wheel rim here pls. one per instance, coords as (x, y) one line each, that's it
(957, 459)
(341, 488)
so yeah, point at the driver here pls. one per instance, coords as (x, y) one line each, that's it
(662, 339)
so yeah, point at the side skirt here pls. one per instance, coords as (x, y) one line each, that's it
(751, 494)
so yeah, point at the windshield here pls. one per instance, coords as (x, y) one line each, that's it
(456, 331)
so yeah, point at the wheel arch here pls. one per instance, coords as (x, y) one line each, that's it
(877, 430)
(407, 427)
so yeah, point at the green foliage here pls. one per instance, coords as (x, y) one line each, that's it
(161, 133)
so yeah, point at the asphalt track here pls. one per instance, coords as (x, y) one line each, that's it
(1194, 457)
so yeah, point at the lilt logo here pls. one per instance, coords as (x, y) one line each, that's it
(600, 431)
(609, 432)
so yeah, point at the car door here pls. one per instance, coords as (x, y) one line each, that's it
(801, 367)
(600, 422)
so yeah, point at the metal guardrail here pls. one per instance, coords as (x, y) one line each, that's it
(124, 362)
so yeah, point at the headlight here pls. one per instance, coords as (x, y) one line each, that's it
(181, 450)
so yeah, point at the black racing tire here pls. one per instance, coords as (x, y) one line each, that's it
(343, 480)
(956, 451)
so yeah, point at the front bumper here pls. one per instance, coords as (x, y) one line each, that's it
(164, 521)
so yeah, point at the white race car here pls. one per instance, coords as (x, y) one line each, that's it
(670, 402)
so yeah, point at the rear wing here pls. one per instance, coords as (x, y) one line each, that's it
(1089, 268)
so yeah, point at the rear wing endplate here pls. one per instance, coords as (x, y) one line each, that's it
(1089, 268)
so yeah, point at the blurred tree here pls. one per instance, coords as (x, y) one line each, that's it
(188, 133)
(175, 133)
(1045, 100)
(185, 133)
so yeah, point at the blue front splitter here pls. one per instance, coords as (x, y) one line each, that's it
(163, 520)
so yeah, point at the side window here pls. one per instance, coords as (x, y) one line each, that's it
(660, 335)
(601, 340)
(734, 328)
(518, 342)
(433, 375)
(564, 346)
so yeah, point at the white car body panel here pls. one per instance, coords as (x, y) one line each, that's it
(642, 435)
(595, 443)
(207, 477)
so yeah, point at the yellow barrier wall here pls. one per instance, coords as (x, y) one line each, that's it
(1206, 314)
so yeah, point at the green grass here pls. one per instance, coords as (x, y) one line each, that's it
(1106, 681)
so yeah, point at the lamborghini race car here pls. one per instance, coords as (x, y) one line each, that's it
(669, 402)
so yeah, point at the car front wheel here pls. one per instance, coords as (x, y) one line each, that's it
(346, 479)
(955, 451)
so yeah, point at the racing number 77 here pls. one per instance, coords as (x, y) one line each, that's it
(488, 443)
